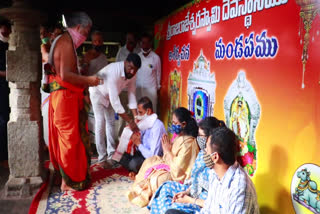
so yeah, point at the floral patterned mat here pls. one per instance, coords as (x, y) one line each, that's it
(107, 194)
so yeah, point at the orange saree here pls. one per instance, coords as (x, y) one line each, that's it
(68, 135)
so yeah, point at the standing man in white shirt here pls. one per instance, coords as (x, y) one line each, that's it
(129, 47)
(105, 101)
(95, 59)
(92, 62)
(149, 75)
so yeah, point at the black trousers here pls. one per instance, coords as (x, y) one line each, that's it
(132, 163)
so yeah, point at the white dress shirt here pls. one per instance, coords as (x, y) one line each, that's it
(149, 74)
(114, 82)
(124, 52)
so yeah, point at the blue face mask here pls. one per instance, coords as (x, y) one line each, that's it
(175, 129)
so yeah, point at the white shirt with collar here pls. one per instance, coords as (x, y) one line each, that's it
(149, 74)
(124, 52)
(114, 82)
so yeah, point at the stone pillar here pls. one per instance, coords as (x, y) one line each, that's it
(24, 126)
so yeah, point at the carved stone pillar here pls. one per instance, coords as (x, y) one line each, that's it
(24, 126)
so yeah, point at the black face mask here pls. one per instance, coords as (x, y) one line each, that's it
(99, 48)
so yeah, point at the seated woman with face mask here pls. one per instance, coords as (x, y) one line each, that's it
(176, 162)
(170, 195)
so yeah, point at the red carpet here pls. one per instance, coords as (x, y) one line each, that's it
(106, 194)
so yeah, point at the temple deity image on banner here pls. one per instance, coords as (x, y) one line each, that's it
(242, 112)
(201, 89)
(174, 93)
(239, 118)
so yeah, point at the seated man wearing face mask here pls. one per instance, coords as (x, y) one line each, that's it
(95, 59)
(147, 142)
